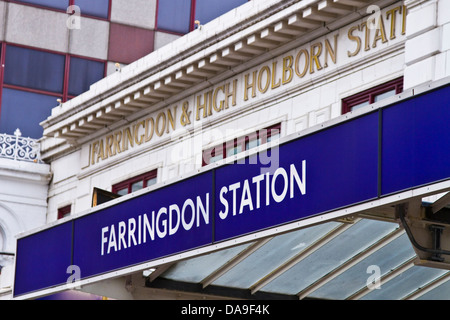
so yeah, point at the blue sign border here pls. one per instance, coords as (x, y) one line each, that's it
(416, 141)
(44, 259)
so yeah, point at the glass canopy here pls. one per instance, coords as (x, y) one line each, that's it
(334, 260)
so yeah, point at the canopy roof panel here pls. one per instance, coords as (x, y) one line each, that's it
(365, 259)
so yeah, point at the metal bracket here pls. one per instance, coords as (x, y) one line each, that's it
(436, 251)
(436, 231)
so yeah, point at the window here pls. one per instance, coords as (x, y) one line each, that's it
(174, 15)
(372, 95)
(241, 144)
(96, 8)
(83, 73)
(24, 110)
(34, 69)
(136, 183)
(179, 15)
(207, 10)
(64, 211)
(45, 71)
(32, 80)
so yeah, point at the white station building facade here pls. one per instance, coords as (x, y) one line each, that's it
(260, 156)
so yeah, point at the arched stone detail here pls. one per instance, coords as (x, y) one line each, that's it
(10, 226)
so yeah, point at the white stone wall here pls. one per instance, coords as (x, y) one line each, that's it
(428, 41)
(23, 207)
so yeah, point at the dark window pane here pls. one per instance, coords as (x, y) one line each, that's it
(137, 186)
(57, 4)
(359, 105)
(150, 182)
(174, 15)
(96, 8)
(122, 192)
(34, 69)
(24, 110)
(83, 73)
(384, 95)
(207, 10)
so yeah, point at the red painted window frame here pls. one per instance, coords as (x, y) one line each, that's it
(64, 211)
(129, 182)
(207, 154)
(370, 94)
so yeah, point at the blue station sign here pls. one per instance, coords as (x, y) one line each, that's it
(386, 151)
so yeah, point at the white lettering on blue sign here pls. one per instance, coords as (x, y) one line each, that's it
(249, 200)
(165, 222)
(236, 198)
